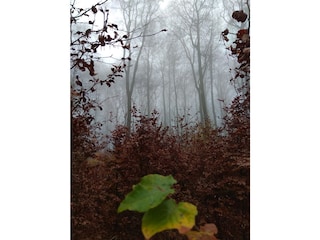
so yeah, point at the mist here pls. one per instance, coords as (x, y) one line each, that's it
(181, 72)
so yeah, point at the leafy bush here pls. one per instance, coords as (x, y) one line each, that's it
(212, 170)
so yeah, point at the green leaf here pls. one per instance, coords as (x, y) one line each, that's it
(169, 215)
(149, 193)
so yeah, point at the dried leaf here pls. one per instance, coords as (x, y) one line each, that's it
(209, 228)
(225, 32)
(87, 33)
(78, 82)
(94, 9)
(240, 16)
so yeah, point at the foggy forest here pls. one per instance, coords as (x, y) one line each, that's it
(160, 87)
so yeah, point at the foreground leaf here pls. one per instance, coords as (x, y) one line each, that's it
(149, 193)
(169, 215)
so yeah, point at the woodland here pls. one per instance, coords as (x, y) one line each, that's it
(160, 89)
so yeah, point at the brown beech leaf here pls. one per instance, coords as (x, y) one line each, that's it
(246, 50)
(87, 33)
(94, 9)
(78, 82)
(209, 228)
(242, 32)
(240, 16)
(225, 32)
(101, 39)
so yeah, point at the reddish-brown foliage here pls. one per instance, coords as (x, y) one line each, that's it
(211, 167)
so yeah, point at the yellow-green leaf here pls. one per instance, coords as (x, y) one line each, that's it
(149, 193)
(169, 215)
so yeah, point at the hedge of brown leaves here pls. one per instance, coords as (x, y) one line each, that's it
(211, 167)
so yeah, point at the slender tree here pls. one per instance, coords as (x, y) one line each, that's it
(195, 34)
(137, 16)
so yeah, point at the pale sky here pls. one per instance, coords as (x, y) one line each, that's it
(164, 3)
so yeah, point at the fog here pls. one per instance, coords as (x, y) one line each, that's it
(183, 71)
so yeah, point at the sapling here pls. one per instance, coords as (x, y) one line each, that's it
(151, 196)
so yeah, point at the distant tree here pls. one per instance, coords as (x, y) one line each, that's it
(137, 16)
(211, 70)
(195, 33)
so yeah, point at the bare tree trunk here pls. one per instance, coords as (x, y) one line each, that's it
(148, 79)
(211, 82)
(194, 22)
(175, 86)
(164, 99)
(136, 15)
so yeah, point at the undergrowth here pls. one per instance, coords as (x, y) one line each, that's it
(210, 165)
